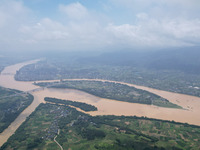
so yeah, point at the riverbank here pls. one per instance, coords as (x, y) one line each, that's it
(105, 106)
(7, 80)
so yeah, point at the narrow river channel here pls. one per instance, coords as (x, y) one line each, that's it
(105, 106)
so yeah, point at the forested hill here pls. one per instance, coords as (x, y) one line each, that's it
(182, 59)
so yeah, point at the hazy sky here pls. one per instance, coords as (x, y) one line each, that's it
(98, 24)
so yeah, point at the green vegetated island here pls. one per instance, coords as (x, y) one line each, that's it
(12, 103)
(80, 131)
(114, 91)
(83, 106)
(169, 70)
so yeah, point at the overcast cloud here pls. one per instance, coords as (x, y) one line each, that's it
(110, 24)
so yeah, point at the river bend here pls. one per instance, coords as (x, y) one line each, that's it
(105, 106)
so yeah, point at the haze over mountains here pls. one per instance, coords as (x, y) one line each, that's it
(179, 59)
(76, 66)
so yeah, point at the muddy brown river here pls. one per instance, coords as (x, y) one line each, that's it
(105, 106)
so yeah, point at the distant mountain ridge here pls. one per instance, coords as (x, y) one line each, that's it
(182, 59)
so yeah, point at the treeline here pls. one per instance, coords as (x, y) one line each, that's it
(82, 131)
(7, 92)
(23, 139)
(82, 106)
(20, 134)
(11, 107)
(153, 69)
(109, 121)
(115, 91)
(107, 118)
(91, 129)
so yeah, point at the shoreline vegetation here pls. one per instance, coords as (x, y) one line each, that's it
(79, 130)
(114, 91)
(83, 106)
(82, 131)
(12, 103)
(144, 132)
(168, 80)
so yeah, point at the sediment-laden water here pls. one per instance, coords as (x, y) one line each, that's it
(105, 106)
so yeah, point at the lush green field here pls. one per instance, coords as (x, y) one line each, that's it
(82, 106)
(11, 106)
(115, 91)
(79, 131)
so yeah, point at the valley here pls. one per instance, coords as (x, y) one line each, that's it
(105, 106)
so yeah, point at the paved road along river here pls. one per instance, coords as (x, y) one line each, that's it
(105, 106)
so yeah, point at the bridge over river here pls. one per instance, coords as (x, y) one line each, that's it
(105, 106)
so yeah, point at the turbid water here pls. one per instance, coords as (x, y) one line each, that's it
(105, 106)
